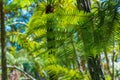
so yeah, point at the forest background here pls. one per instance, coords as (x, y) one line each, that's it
(60, 39)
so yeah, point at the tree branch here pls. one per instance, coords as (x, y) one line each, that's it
(23, 23)
(29, 76)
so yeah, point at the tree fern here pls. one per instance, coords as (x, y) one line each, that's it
(60, 73)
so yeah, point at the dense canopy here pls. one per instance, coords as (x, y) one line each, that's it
(60, 39)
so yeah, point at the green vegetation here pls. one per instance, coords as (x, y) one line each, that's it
(60, 39)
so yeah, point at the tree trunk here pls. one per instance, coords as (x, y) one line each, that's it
(3, 50)
(84, 5)
(95, 68)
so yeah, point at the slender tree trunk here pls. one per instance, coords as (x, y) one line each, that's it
(3, 50)
(107, 62)
(113, 57)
